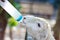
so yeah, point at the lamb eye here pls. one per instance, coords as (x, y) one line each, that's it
(39, 25)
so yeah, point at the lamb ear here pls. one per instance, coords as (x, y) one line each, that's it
(38, 24)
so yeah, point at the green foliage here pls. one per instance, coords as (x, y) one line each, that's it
(12, 22)
(17, 6)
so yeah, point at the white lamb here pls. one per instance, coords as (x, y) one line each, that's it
(38, 28)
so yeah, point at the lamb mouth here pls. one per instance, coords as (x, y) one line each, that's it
(24, 22)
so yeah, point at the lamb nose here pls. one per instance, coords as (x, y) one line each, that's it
(24, 18)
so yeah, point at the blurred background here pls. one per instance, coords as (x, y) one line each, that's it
(48, 9)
